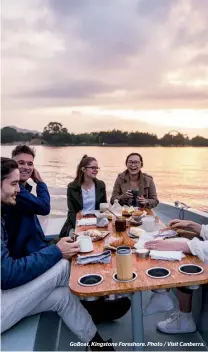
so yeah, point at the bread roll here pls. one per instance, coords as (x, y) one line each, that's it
(136, 231)
(137, 213)
(118, 242)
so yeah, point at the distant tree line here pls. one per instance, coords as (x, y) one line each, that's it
(55, 134)
(10, 135)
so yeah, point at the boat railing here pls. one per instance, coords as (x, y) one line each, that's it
(182, 206)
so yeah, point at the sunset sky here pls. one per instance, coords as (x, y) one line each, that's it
(104, 64)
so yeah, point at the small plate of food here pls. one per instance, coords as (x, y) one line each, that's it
(127, 211)
(135, 232)
(135, 212)
(96, 235)
(117, 242)
(136, 217)
(133, 222)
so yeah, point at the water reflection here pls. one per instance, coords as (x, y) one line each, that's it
(179, 173)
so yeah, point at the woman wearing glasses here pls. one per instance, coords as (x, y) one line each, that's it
(86, 192)
(132, 187)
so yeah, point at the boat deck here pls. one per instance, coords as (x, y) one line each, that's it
(47, 332)
(120, 332)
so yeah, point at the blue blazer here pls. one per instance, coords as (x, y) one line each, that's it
(25, 233)
(17, 272)
(25, 240)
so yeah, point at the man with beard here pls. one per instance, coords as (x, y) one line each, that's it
(26, 235)
(38, 282)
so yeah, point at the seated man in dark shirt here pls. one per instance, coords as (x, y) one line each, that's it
(39, 281)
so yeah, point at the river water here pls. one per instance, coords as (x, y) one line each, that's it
(179, 173)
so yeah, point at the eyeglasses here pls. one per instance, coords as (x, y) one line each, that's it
(134, 162)
(95, 168)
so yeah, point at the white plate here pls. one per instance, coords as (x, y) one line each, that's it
(94, 239)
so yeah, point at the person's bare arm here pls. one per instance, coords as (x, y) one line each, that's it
(165, 245)
(182, 224)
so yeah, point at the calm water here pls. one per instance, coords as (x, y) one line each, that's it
(179, 173)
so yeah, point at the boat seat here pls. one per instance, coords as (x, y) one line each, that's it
(39, 332)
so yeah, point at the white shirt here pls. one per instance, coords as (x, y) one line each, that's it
(200, 248)
(88, 198)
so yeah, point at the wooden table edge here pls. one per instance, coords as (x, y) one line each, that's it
(132, 290)
(129, 290)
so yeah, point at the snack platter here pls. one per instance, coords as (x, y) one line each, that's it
(96, 235)
(131, 211)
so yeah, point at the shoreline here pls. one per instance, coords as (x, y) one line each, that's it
(106, 145)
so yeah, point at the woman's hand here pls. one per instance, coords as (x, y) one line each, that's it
(165, 245)
(143, 201)
(128, 194)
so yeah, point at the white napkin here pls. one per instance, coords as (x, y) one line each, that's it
(103, 257)
(166, 234)
(145, 237)
(87, 222)
(90, 212)
(166, 255)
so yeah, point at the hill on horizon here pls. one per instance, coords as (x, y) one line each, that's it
(24, 130)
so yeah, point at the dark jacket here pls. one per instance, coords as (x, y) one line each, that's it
(17, 272)
(146, 188)
(75, 202)
(25, 233)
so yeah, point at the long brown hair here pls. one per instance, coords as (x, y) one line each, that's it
(85, 161)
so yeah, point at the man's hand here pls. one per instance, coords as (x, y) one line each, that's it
(165, 245)
(68, 248)
(36, 176)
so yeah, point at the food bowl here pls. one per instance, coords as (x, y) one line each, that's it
(138, 215)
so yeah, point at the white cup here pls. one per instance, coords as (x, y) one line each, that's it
(103, 207)
(85, 243)
(148, 223)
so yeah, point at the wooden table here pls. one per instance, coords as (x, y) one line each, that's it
(142, 283)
